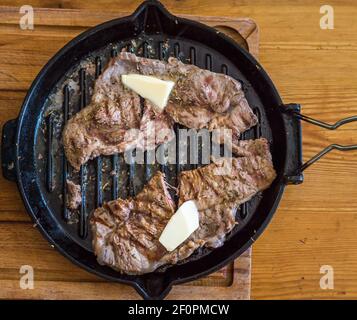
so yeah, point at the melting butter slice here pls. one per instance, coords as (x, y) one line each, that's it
(180, 226)
(155, 90)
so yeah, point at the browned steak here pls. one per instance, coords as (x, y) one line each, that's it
(204, 99)
(230, 179)
(114, 120)
(126, 232)
(200, 99)
(74, 195)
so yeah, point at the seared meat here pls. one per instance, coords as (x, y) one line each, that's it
(230, 179)
(126, 232)
(114, 120)
(74, 195)
(200, 99)
(204, 99)
(257, 147)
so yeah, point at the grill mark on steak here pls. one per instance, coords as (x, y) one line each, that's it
(126, 232)
(200, 99)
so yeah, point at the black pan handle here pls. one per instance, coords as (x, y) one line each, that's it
(8, 148)
(154, 287)
(295, 112)
(294, 144)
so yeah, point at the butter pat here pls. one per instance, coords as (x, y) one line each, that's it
(181, 225)
(155, 90)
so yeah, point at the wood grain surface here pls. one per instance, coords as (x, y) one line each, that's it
(316, 223)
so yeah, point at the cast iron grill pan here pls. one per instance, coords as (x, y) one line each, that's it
(108, 177)
(32, 153)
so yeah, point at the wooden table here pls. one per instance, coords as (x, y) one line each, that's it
(316, 223)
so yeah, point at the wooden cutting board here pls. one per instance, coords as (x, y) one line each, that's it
(22, 54)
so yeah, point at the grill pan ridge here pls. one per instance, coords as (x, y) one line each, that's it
(33, 156)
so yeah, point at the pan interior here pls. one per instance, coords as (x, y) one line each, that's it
(109, 177)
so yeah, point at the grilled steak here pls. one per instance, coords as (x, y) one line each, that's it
(114, 120)
(200, 99)
(126, 232)
(74, 195)
(230, 179)
(204, 99)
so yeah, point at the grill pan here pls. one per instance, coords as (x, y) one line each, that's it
(32, 154)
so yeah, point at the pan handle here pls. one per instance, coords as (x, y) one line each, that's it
(294, 144)
(153, 287)
(324, 125)
(8, 148)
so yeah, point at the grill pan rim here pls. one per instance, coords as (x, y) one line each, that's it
(34, 216)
